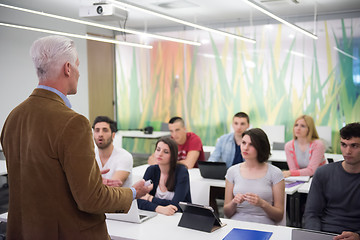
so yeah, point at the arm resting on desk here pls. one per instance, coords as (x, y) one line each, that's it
(190, 159)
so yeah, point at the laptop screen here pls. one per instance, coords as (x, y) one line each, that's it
(213, 170)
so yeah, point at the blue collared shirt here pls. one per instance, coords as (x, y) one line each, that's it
(63, 97)
(224, 150)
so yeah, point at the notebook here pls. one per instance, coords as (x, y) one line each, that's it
(134, 215)
(237, 233)
(213, 170)
(301, 234)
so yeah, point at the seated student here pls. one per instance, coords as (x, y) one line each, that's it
(227, 148)
(170, 179)
(115, 161)
(189, 144)
(305, 153)
(333, 202)
(254, 190)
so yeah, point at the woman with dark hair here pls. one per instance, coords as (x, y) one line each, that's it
(170, 179)
(305, 153)
(255, 190)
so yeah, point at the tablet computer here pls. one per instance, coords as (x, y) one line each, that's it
(199, 217)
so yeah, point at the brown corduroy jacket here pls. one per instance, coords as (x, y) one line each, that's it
(55, 185)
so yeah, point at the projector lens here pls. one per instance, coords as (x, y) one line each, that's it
(99, 10)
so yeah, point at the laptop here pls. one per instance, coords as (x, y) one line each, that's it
(301, 234)
(134, 215)
(212, 170)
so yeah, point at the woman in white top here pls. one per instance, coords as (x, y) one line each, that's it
(254, 190)
(170, 179)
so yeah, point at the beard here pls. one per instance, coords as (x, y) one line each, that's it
(105, 144)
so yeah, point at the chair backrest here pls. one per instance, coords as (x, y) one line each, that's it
(275, 133)
(325, 135)
(164, 126)
(278, 146)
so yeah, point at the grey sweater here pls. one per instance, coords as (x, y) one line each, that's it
(333, 203)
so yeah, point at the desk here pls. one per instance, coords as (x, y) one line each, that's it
(141, 134)
(304, 188)
(165, 227)
(280, 156)
(119, 135)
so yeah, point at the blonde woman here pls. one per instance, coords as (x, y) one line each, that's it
(305, 153)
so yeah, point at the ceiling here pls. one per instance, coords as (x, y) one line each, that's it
(213, 13)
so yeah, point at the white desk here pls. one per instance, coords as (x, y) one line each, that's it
(119, 135)
(305, 187)
(166, 227)
(280, 156)
(141, 134)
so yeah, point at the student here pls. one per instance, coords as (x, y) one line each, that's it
(116, 159)
(56, 191)
(305, 153)
(333, 201)
(189, 144)
(227, 148)
(170, 179)
(254, 189)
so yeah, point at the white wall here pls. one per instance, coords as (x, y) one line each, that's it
(17, 74)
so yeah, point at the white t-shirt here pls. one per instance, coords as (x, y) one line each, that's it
(120, 160)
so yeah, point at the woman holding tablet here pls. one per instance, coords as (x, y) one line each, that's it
(170, 179)
(254, 190)
(305, 153)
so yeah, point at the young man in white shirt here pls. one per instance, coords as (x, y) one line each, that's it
(116, 159)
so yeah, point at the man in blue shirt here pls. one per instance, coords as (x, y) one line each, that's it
(227, 148)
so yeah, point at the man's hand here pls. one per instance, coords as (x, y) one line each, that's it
(347, 236)
(140, 188)
(112, 182)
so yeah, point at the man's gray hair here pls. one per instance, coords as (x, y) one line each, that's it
(49, 54)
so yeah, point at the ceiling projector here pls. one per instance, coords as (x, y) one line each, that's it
(103, 12)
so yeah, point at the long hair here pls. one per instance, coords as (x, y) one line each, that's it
(312, 133)
(170, 183)
(260, 142)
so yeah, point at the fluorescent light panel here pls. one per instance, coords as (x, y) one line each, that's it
(102, 25)
(123, 4)
(270, 14)
(346, 54)
(76, 35)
